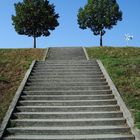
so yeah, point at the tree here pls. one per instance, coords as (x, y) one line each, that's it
(35, 18)
(99, 15)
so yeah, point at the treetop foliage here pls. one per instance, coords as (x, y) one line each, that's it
(99, 15)
(35, 18)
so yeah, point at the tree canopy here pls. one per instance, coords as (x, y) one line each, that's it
(99, 15)
(35, 18)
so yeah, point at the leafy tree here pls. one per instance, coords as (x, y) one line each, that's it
(35, 18)
(99, 15)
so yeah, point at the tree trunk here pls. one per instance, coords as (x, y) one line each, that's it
(34, 41)
(101, 40)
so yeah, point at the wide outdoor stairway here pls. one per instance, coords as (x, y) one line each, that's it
(67, 98)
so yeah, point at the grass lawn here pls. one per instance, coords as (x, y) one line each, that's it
(13, 66)
(123, 65)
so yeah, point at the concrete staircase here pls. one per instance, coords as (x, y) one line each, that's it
(67, 98)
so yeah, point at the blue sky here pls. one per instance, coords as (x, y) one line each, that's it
(69, 33)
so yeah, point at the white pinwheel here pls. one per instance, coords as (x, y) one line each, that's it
(128, 37)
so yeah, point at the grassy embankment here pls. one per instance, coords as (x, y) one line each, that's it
(13, 66)
(123, 65)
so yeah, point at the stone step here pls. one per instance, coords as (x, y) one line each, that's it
(40, 68)
(67, 73)
(54, 84)
(54, 81)
(66, 97)
(61, 61)
(67, 79)
(88, 130)
(66, 70)
(100, 87)
(71, 137)
(67, 64)
(100, 76)
(67, 61)
(80, 92)
(57, 60)
(67, 108)
(61, 74)
(67, 115)
(67, 102)
(67, 122)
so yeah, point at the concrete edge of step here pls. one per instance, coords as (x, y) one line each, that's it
(86, 54)
(123, 107)
(15, 100)
(45, 54)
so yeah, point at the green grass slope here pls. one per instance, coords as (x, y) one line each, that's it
(13, 66)
(123, 65)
